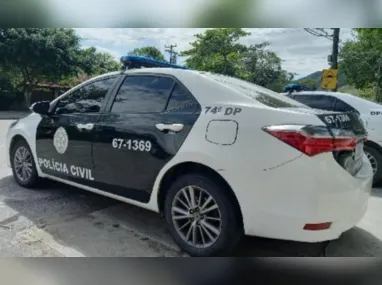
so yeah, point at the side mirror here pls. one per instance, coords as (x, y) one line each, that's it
(41, 108)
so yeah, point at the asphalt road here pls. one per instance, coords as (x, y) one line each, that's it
(58, 220)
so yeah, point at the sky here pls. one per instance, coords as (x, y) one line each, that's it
(301, 52)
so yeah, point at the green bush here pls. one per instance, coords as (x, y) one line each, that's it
(349, 89)
(367, 93)
(6, 100)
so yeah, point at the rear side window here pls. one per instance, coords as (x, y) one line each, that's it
(143, 94)
(181, 98)
(322, 102)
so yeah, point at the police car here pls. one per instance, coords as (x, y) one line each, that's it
(218, 157)
(370, 112)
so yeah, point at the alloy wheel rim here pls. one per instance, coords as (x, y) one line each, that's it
(373, 162)
(23, 164)
(196, 217)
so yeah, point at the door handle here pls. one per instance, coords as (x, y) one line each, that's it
(170, 127)
(85, 127)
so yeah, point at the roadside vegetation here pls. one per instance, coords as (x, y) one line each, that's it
(32, 58)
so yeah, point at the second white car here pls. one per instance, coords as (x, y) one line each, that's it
(370, 113)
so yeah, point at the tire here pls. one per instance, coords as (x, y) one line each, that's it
(33, 178)
(375, 155)
(231, 229)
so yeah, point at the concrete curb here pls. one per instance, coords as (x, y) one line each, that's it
(12, 115)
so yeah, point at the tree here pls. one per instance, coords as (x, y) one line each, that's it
(10, 80)
(263, 67)
(95, 63)
(217, 50)
(39, 54)
(91, 63)
(220, 51)
(149, 51)
(107, 63)
(361, 60)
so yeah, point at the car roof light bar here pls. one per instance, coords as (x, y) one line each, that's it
(135, 62)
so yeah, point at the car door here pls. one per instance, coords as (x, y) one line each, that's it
(323, 102)
(149, 119)
(64, 137)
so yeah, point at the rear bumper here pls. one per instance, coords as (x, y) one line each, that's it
(292, 228)
(306, 192)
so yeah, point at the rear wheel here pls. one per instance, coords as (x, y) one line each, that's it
(375, 158)
(201, 217)
(23, 165)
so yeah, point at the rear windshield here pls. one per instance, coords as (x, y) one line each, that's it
(258, 93)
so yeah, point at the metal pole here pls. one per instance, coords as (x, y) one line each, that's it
(336, 39)
(170, 50)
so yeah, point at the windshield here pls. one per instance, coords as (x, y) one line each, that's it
(258, 93)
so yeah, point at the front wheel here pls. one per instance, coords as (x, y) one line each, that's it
(375, 158)
(201, 217)
(23, 165)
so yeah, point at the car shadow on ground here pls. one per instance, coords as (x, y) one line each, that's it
(94, 225)
(377, 192)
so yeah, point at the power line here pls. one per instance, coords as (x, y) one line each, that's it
(319, 32)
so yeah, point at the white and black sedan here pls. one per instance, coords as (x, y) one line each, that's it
(218, 157)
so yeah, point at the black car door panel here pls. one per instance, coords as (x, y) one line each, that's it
(64, 137)
(137, 138)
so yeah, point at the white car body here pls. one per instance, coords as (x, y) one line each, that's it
(278, 188)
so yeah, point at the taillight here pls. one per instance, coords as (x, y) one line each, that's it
(313, 140)
(317, 227)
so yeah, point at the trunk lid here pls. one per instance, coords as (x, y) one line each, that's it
(347, 121)
(334, 120)
(343, 125)
(351, 161)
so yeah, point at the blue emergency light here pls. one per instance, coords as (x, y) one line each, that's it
(296, 87)
(133, 62)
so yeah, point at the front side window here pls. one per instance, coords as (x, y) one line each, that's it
(87, 99)
(143, 94)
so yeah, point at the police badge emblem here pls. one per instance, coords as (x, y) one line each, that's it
(61, 140)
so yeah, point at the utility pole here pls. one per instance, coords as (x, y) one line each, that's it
(173, 54)
(335, 38)
(334, 59)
